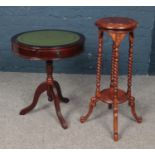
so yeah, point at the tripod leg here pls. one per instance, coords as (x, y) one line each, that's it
(40, 89)
(63, 99)
(49, 94)
(57, 108)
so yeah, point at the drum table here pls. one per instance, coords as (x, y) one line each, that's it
(48, 45)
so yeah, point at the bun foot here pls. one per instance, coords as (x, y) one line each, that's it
(83, 119)
(50, 99)
(110, 106)
(65, 100)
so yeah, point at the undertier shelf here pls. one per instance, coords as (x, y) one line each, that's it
(107, 96)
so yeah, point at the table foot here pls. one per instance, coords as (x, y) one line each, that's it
(63, 99)
(109, 106)
(49, 95)
(133, 111)
(50, 99)
(91, 107)
(40, 89)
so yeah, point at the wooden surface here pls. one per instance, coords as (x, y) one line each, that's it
(116, 23)
(117, 28)
(107, 95)
(72, 45)
(33, 45)
(53, 90)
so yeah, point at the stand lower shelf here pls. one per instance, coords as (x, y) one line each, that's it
(107, 95)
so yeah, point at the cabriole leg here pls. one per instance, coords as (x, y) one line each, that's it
(91, 107)
(40, 89)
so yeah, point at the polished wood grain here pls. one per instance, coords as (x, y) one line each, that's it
(117, 28)
(54, 93)
(116, 23)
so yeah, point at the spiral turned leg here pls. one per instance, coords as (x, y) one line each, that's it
(92, 104)
(93, 101)
(112, 71)
(112, 66)
(115, 123)
(115, 101)
(99, 62)
(130, 62)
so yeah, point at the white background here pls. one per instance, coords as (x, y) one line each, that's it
(77, 2)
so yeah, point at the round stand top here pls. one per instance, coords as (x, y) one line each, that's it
(116, 23)
(48, 44)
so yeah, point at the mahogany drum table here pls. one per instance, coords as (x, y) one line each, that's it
(48, 45)
(117, 28)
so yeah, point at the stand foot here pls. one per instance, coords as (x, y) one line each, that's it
(91, 107)
(133, 111)
(115, 137)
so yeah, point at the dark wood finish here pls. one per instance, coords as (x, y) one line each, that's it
(47, 52)
(54, 93)
(117, 28)
(50, 86)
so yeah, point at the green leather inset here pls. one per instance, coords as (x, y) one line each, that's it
(48, 38)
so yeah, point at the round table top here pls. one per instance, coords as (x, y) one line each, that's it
(48, 44)
(116, 23)
(48, 38)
